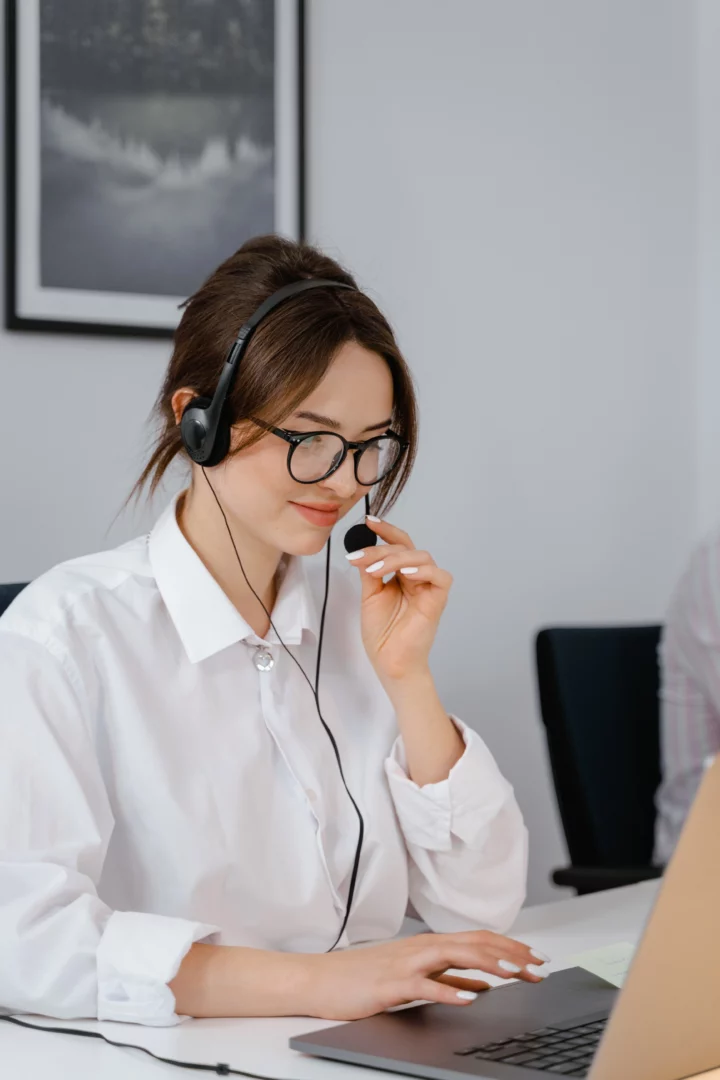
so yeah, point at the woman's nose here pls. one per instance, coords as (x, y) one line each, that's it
(342, 482)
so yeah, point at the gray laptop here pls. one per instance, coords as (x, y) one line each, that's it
(664, 1022)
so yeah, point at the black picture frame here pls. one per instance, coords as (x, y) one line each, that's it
(17, 317)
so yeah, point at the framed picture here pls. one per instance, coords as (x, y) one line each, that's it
(146, 141)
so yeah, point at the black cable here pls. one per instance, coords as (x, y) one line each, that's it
(315, 692)
(221, 1068)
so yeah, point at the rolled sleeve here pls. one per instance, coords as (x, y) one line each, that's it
(465, 837)
(462, 805)
(137, 957)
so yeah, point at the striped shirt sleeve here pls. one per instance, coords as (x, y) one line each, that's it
(690, 692)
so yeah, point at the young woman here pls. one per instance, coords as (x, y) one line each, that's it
(180, 812)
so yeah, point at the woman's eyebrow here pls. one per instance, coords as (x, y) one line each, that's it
(330, 423)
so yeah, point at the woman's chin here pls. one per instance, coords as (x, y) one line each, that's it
(308, 544)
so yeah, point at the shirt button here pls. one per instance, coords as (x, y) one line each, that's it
(312, 795)
(263, 659)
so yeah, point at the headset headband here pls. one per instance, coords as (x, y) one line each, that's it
(204, 437)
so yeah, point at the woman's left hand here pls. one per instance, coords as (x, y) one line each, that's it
(399, 617)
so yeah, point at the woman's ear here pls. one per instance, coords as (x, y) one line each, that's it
(180, 400)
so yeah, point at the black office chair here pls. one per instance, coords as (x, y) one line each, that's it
(8, 594)
(599, 702)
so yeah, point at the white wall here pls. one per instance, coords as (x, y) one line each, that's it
(74, 411)
(708, 238)
(515, 183)
(73, 427)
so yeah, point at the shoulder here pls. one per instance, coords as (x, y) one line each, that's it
(50, 605)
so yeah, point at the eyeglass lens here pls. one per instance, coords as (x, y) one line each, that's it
(314, 457)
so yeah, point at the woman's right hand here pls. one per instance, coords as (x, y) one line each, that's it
(359, 982)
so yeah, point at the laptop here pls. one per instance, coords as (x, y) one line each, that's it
(663, 1025)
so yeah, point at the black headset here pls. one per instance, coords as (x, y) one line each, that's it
(204, 428)
(205, 431)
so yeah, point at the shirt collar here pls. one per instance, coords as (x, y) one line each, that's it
(203, 615)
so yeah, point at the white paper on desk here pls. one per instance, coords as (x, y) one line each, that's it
(610, 963)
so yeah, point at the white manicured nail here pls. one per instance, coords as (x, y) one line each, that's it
(506, 965)
(466, 995)
(534, 970)
(409, 570)
(358, 555)
(540, 956)
(375, 566)
(371, 518)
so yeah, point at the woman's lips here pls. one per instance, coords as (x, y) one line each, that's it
(316, 516)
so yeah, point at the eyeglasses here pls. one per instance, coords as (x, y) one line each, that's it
(315, 455)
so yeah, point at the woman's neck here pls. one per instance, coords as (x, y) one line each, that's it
(201, 523)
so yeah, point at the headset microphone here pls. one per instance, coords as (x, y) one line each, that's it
(360, 536)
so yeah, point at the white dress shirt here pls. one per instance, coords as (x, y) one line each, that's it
(157, 789)
(690, 691)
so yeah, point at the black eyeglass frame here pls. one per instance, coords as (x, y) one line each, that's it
(294, 438)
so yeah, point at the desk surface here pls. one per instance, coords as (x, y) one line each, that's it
(560, 929)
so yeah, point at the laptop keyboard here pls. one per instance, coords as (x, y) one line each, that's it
(561, 1051)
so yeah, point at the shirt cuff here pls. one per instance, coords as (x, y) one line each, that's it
(463, 805)
(137, 957)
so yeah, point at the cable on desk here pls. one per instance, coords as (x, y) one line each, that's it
(220, 1069)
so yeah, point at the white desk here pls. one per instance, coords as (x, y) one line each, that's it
(559, 929)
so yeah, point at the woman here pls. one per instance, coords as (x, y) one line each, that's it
(179, 836)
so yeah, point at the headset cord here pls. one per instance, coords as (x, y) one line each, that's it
(221, 1069)
(316, 695)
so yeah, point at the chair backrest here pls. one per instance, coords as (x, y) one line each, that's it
(8, 594)
(599, 703)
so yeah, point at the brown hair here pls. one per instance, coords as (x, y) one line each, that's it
(287, 356)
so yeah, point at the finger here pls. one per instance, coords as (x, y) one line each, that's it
(488, 952)
(511, 963)
(365, 556)
(441, 992)
(476, 985)
(428, 574)
(390, 563)
(449, 954)
(389, 533)
(514, 968)
(501, 946)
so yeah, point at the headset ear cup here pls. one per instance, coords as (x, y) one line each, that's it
(194, 441)
(222, 444)
(193, 427)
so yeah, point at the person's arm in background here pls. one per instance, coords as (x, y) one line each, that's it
(689, 692)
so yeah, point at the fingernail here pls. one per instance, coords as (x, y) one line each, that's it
(506, 965)
(375, 566)
(540, 956)
(534, 970)
(371, 518)
(466, 995)
(358, 555)
(409, 570)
